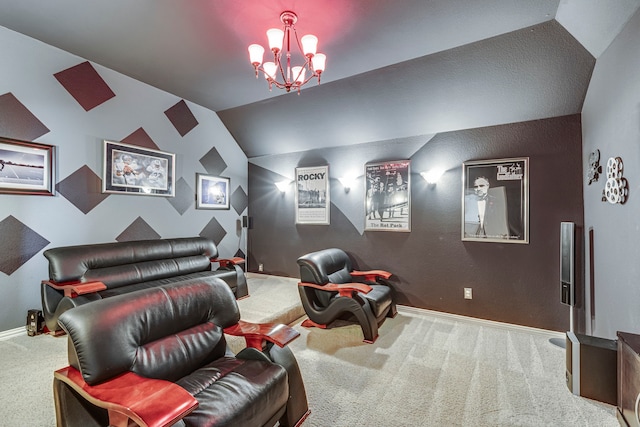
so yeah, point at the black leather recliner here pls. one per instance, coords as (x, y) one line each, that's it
(331, 289)
(159, 357)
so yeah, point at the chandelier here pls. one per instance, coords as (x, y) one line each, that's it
(280, 73)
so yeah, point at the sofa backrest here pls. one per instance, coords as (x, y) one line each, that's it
(123, 263)
(326, 266)
(164, 332)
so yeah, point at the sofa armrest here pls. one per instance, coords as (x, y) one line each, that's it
(227, 262)
(344, 289)
(256, 334)
(146, 401)
(371, 275)
(74, 289)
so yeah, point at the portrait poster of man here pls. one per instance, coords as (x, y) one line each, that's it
(495, 201)
(312, 195)
(387, 204)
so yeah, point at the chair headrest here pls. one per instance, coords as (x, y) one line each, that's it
(327, 265)
(105, 336)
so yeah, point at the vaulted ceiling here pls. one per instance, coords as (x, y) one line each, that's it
(395, 69)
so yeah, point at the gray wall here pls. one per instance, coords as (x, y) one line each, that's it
(513, 283)
(611, 124)
(36, 106)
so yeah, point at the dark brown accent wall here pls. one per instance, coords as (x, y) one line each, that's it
(512, 283)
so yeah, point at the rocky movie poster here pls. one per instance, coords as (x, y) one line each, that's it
(387, 204)
(312, 196)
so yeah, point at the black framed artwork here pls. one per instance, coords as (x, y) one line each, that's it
(212, 192)
(388, 196)
(26, 167)
(495, 200)
(128, 169)
(312, 195)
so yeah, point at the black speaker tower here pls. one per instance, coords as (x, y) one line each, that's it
(567, 263)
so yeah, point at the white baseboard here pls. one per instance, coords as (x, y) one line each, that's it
(10, 333)
(493, 323)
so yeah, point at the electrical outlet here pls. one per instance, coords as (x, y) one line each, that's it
(260, 267)
(468, 294)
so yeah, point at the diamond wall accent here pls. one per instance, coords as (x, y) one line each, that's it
(138, 230)
(140, 138)
(83, 189)
(213, 163)
(214, 231)
(239, 200)
(184, 198)
(20, 244)
(85, 85)
(181, 117)
(17, 122)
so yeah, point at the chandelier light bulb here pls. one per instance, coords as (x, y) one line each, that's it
(297, 73)
(256, 53)
(309, 44)
(270, 69)
(275, 36)
(319, 61)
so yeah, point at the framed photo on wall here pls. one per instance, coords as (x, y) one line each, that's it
(212, 192)
(312, 195)
(26, 167)
(128, 169)
(387, 196)
(495, 200)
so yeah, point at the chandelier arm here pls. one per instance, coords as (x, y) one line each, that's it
(269, 79)
(299, 44)
(278, 61)
(309, 78)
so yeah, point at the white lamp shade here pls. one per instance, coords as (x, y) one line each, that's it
(270, 70)
(283, 185)
(255, 54)
(297, 73)
(433, 175)
(347, 181)
(309, 44)
(319, 60)
(275, 36)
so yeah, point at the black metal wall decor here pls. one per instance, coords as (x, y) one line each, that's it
(595, 169)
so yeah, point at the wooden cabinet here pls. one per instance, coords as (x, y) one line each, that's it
(628, 379)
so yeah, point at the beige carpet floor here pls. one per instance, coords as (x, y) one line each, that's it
(426, 369)
(432, 369)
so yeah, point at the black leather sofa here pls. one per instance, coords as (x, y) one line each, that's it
(86, 273)
(158, 357)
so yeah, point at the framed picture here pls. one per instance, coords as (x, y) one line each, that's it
(212, 192)
(26, 167)
(312, 195)
(387, 196)
(128, 169)
(495, 200)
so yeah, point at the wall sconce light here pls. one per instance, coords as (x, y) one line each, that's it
(432, 176)
(347, 182)
(283, 185)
